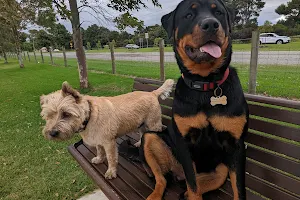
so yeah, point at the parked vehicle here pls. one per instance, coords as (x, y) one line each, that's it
(56, 50)
(273, 38)
(132, 46)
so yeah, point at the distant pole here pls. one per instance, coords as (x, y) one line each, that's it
(42, 56)
(24, 55)
(5, 57)
(162, 60)
(35, 56)
(112, 53)
(65, 56)
(28, 56)
(51, 58)
(253, 62)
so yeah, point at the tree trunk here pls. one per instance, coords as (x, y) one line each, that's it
(78, 45)
(5, 57)
(19, 55)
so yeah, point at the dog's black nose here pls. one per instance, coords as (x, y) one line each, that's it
(54, 133)
(210, 25)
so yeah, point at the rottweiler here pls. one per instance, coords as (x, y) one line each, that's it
(205, 141)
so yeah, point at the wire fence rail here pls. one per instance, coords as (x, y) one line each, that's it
(263, 69)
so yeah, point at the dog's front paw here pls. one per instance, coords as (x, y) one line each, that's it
(111, 173)
(98, 160)
(138, 144)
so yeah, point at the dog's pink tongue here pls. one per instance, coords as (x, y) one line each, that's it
(212, 49)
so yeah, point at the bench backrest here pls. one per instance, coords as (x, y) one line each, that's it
(273, 144)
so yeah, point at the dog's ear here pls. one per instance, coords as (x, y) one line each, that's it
(230, 14)
(68, 90)
(168, 23)
(42, 100)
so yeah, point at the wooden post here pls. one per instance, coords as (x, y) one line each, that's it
(24, 55)
(51, 58)
(112, 53)
(253, 62)
(28, 56)
(42, 56)
(65, 56)
(35, 56)
(162, 59)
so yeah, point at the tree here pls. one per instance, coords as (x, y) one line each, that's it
(156, 41)
(60, 36)
(267, 27)
(72, 14)
(127, 20)
(43, 39)
(15, 15)
(245, 12)
(291, 11)
(99, 46)
(88, 46)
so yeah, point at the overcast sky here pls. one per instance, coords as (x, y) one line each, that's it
(153, 15)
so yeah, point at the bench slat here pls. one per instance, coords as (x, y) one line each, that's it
(99, 180)
(273, 160)
(274, 145)
(267, 190)
(276, 114)
(121, 187)
(274, 177)
(275, 129)
(273, 101)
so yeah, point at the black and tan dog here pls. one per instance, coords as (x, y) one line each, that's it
(210, 113)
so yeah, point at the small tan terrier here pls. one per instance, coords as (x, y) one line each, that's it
(100, 120)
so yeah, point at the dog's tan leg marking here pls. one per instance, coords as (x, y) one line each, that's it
(158, 159)
(208, 181)
(100, 155)
(112, 159)
(233, 125)
(184, 124)
(233, 181)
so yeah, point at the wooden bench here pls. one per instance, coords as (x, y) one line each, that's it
(273, 155)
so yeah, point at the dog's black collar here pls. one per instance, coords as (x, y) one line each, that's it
(205, 86)
(85, 123)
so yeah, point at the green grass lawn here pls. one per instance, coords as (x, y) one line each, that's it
(293, 46)
(32, 167)
(273, 80)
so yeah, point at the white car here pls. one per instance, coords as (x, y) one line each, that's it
(132, 46)
(273, 38)
(56, 50)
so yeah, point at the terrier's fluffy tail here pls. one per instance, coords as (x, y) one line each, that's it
(165, 90)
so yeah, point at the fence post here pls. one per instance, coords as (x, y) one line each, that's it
(253, 62)
(42, 56)
(162, 59)
(51, 58)
(28, 56)
(112, 53)
(24, 55)
(65, 56)
(35, 56)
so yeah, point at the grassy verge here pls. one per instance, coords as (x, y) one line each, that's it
(293, 46)
(273, 80)
(31, 167)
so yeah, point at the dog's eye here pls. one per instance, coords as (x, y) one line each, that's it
(66, 115)
(189, 16)
(219, 13)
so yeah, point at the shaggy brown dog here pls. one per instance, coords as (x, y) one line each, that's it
(100, 120)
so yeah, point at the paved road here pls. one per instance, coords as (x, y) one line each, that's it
(265, 57)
